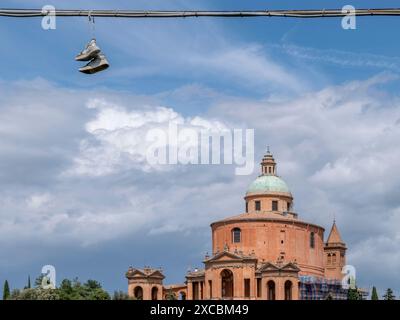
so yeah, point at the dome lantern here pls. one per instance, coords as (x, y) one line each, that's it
(268, 164)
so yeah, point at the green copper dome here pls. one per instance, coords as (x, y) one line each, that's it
(268, 183)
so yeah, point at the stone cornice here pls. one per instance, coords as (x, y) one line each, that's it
(253, 218)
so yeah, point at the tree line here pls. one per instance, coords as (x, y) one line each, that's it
(355, 294)
(67, 290)
(93, 290)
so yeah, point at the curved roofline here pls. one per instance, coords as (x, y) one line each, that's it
(238, 219)
(268, 193)
(265, 182)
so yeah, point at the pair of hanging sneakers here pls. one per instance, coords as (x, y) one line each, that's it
(97, 60)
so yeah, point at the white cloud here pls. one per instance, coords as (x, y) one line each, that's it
(118, 137)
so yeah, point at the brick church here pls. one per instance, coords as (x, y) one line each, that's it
(265, 253)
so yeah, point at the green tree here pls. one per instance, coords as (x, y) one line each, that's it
(38, 281)
(93, 284)
(389, 295)
(94, 291)
(6, 291)
(98, 294)
(75, 290)
(67, 290)
(374, 294)
(354, 294)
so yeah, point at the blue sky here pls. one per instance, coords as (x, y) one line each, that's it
(325, 99)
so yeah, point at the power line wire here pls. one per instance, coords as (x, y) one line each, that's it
(325, 13)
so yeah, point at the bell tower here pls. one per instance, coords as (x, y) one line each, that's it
(335, 254)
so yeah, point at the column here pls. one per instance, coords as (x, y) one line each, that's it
(189, 295)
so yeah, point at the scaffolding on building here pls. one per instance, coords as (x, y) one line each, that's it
(316, 288)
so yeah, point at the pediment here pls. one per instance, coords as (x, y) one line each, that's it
(225, 256)
(137, 273)
(230, 256)
(290, 267)
(270, 267)
(156, 274)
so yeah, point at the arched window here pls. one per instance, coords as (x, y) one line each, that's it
(329, 258)
(236, 235)
(334, 258)
(288, 290)
(138, 293)
(271, 290)
(312, 240)
(154, 293)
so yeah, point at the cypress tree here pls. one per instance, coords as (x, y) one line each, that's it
(374, 294)
(6, 290)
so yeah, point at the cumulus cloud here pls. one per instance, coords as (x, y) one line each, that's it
(119, 139)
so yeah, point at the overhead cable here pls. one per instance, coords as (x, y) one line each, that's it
(325, 13)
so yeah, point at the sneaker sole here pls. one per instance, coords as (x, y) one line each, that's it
(87, 57)
(94, 70)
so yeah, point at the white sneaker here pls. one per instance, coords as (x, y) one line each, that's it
(90, 52)
(99, 63)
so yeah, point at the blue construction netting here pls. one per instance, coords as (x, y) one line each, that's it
(314, 288)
